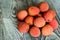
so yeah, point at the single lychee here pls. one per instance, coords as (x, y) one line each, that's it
(39, 22)
(43, 6)
(49, 15)
(47, 30)
(22, 14)
(54, 24)
(35, 31)
(29, 20)
(33, 10)
(23, 27)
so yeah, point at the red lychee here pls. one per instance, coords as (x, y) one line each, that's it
(47, 30)
(33, 11)
(39, 22)
(35, 31)
(54, 24)
(43, 6)
(29, 20)
(22, 14)
(49, 15)
(23, 27)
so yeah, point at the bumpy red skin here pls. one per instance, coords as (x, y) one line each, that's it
(47, 30)
(39, 22)
(29, 20)
(22, 14)
(33, 11)
(43, 6)
(23, 27)
(49, 15)
(54, 24)
(35, 31)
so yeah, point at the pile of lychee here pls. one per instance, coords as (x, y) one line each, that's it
(37, 20)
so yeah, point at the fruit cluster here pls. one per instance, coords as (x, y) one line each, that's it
(37, 20)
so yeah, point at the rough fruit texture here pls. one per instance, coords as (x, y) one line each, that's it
(39, 22)
(43, 6)
(47, 30)
(22, 14)
(33, 11)
(54, 24)
(35, 32)
(23, 27)
(49, 15)
(29, 20)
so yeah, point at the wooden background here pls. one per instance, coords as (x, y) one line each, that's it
(8, 21)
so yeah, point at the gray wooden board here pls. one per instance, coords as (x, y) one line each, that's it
(8, 21)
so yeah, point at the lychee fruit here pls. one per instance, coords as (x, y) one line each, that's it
(33, 11)
(47, 30)
(49, 15)
(39, 22)
(29, 20)
(22, 14)
(43, 6)
(35, 31)
(54, 24)
(23, 27)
